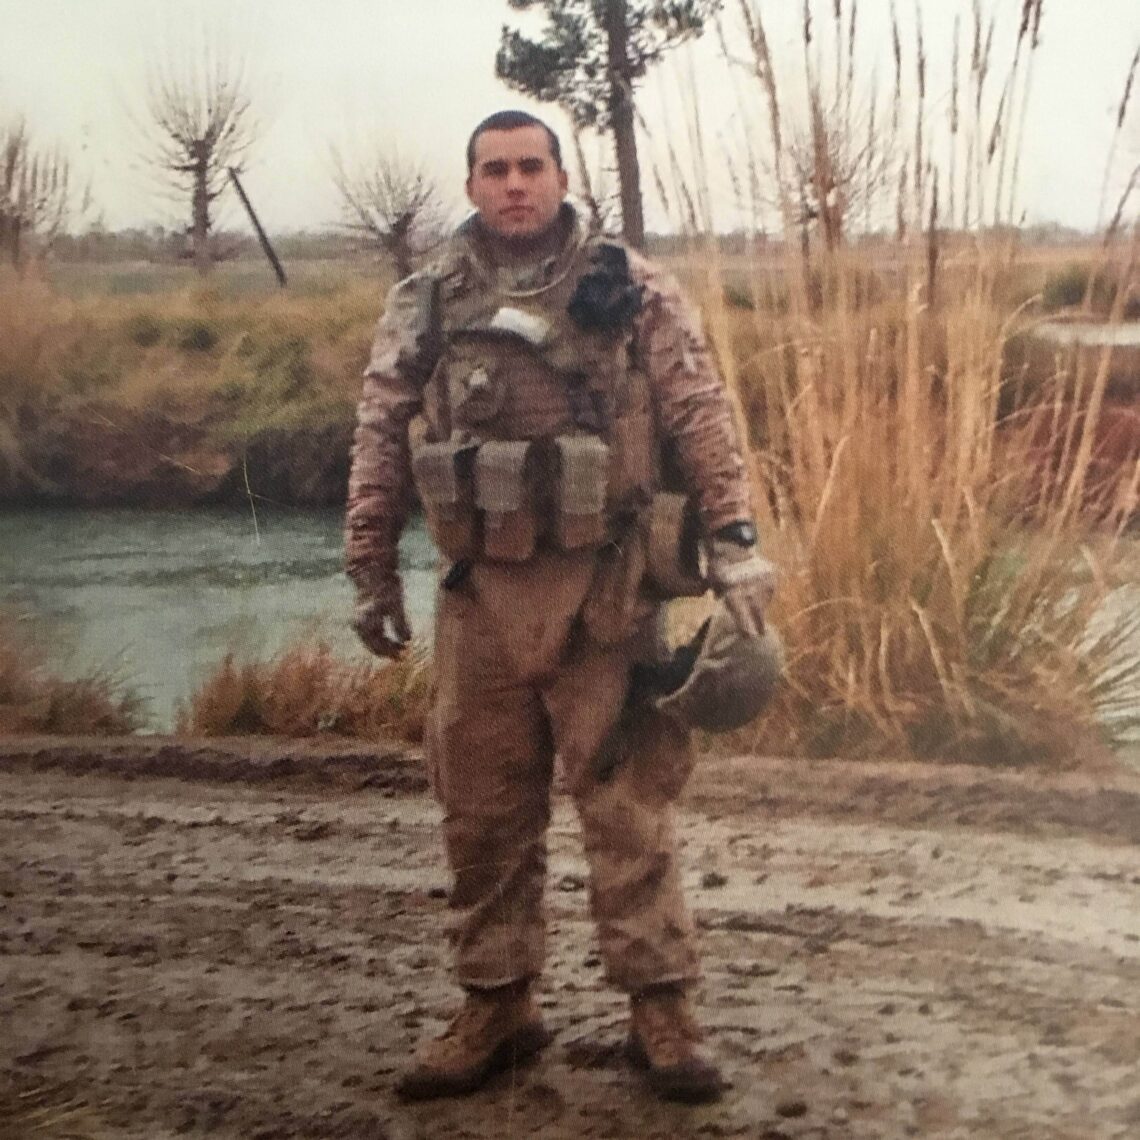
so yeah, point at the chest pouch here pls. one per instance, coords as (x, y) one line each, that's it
(443, 474)
(583, 463)
(504, 493)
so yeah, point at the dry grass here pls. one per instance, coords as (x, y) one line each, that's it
(948, 532)
(943, 558)
(32, 701)
(237, 365)
(305, 691)
(949, 537)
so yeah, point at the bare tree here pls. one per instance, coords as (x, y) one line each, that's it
(199, 125)
(831, 160)
(840, 166)
(37, 195)
(392, 204)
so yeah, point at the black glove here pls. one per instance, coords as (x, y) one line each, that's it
(379, 619)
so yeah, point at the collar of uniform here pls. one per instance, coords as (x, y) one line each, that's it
(469, 245)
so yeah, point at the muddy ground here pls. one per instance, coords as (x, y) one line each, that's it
(245, 941)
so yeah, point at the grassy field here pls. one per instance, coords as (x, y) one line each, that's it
(1053, 275)
(244, 278)
(235, 361)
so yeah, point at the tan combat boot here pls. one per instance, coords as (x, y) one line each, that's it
(494, 1031)
(663, 1042)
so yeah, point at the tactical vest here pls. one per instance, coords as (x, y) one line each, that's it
(534, 433)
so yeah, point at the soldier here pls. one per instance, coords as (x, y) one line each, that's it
(544, 389)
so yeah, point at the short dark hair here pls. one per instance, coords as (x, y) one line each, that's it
(512, 121)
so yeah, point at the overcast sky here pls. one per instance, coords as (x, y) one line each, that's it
(419, 74)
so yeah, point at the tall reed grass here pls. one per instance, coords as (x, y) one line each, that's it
(948, 556)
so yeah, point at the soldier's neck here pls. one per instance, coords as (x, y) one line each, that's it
(522, 253)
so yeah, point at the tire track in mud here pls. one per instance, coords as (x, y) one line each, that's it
(200, 958)
(1102, 803)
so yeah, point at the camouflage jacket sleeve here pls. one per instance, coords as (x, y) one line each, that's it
(379, 481)
(690, 399)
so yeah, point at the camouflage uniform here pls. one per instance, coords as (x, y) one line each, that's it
(532, 658)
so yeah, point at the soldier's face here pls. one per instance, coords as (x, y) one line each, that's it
(515, 183)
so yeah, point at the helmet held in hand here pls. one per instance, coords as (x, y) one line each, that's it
(719, 680)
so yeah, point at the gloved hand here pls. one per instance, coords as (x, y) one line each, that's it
(379, 619)
(744, 580)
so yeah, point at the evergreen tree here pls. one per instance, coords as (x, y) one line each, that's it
(591, 56)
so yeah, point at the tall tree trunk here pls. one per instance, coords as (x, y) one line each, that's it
(400, 245)
(621, 115)
(399, 250)
(831, 218)
(200, 206)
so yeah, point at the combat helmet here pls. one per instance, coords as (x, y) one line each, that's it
(720, 679)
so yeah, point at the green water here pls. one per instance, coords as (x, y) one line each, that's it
(158, 598)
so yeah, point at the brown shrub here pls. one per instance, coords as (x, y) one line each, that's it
(305, 691)
(32, 701)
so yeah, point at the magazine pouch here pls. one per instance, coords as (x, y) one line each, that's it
(503, 495)
(443, 476)
(582, 479)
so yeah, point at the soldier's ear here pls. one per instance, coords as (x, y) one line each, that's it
(563, 180)
(467, 187)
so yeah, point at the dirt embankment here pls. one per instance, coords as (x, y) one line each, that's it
(99, 455)
(245, 940)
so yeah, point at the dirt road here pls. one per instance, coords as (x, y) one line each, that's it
(241, 942)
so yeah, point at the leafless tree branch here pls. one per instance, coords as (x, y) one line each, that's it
(199, 123)
(37, 194)
(392, 204)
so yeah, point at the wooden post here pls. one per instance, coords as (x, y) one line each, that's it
(261, 234)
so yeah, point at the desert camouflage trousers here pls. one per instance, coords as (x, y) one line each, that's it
(517, 683)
